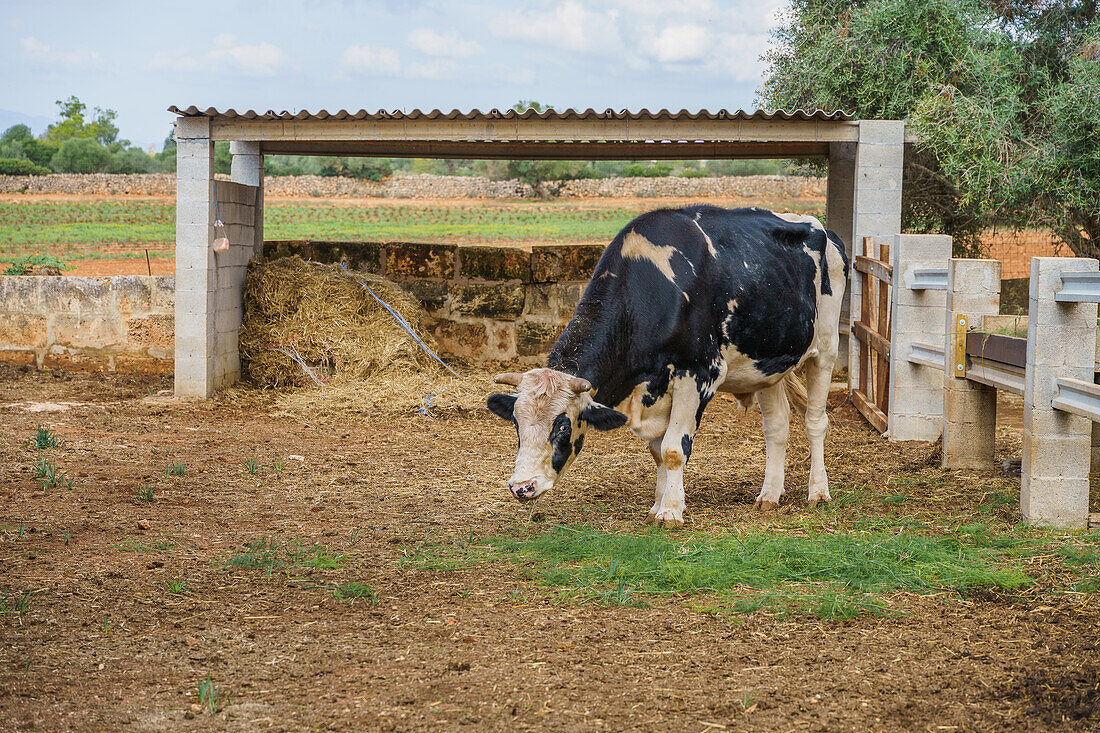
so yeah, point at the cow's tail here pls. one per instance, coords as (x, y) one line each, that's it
(795, 387)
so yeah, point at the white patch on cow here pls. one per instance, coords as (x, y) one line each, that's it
(637, 247)
(710, 244)
(801, 219)
(648, 423)
(741, 373)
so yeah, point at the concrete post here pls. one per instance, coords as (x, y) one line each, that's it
(876, 201)
(839, 200)
(916, 390)
(248, 168)
(1061, 342)
(969, 408)
(196, 272)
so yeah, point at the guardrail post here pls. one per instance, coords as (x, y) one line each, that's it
(969, 408)
(1061, 342)
(916, 391)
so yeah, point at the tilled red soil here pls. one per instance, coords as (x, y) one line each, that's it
(104, 645)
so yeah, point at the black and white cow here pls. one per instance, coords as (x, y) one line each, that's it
(685, 302)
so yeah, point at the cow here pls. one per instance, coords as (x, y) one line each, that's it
(684, 303)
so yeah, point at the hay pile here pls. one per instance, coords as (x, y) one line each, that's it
(316, 334)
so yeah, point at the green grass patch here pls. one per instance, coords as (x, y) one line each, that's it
(270, 554)
(135, 545)
(44, 439)
(351, 591)
(828, 574)
(73, 229)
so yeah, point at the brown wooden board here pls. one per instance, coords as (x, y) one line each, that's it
(995, 347)
(875, 268)
(870, 410)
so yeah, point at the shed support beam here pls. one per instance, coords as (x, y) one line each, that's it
(876, 198)
(196, 271)
(248, 168)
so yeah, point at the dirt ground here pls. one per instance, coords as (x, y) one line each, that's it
(104, 645)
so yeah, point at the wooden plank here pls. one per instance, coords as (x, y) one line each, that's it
(865, 335)
(869, 410)
(541, 150)
(995, 347)
(879, 270)
(864, 351)
(882, 390)
(535, 128)
(1094, 521)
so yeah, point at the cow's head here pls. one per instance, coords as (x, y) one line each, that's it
(552, 411)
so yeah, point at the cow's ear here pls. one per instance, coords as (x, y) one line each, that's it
(501, 404)
(602, 417)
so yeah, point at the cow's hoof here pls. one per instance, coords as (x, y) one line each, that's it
(668, 520)
(813, 501)
(766, 506)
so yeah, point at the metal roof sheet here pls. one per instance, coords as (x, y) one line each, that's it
(496, 114)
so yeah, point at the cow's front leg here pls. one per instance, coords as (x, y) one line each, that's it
(662, 477)
(777, 423)
(675, 450)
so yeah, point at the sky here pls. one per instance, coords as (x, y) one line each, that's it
(138, 58)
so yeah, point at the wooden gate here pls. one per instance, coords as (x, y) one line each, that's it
(871, 395)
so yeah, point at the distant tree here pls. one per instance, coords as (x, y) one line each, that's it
(73, 124)
(16, 133)
(81, 155)
(131, 160)
(525, 104)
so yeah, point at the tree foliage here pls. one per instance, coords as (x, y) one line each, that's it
(1004, 96)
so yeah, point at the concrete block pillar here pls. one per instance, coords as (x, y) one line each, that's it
(876, 199)
(196, 270)
(248, 168)
(969, 408)
(1061, 343)
(916, 390)
(839, 200)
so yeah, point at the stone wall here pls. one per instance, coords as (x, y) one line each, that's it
(122, 323)
(429, 186)
(484, 303)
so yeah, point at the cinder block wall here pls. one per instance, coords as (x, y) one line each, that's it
(484, 303)
(122, 323)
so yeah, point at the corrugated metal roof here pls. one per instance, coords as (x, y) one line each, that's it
(496, 114)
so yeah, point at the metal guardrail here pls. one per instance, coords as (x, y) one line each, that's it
(926, 354)
(1079, 287)
(1079, 397)
(996, 374)
(928, 278)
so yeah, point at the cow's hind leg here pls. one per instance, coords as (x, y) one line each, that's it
(675, 450)
(777, 424)
(818, 377)
(662, 477)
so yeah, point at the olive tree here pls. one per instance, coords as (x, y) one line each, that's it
(1004, 97)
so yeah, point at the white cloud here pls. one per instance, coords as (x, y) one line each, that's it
(738, 55)
(567, 25)
(682, 43)
(371, 61)
(39, 54)
(450, 45)
(226, 56)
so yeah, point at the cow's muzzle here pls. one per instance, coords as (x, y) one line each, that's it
(525, 492)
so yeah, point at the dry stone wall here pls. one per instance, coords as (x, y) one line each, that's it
(121, 323)
(429, 186)
(484, 303)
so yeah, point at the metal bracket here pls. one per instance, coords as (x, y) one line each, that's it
(961, 327)
(928, 278)
(1079, 287)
